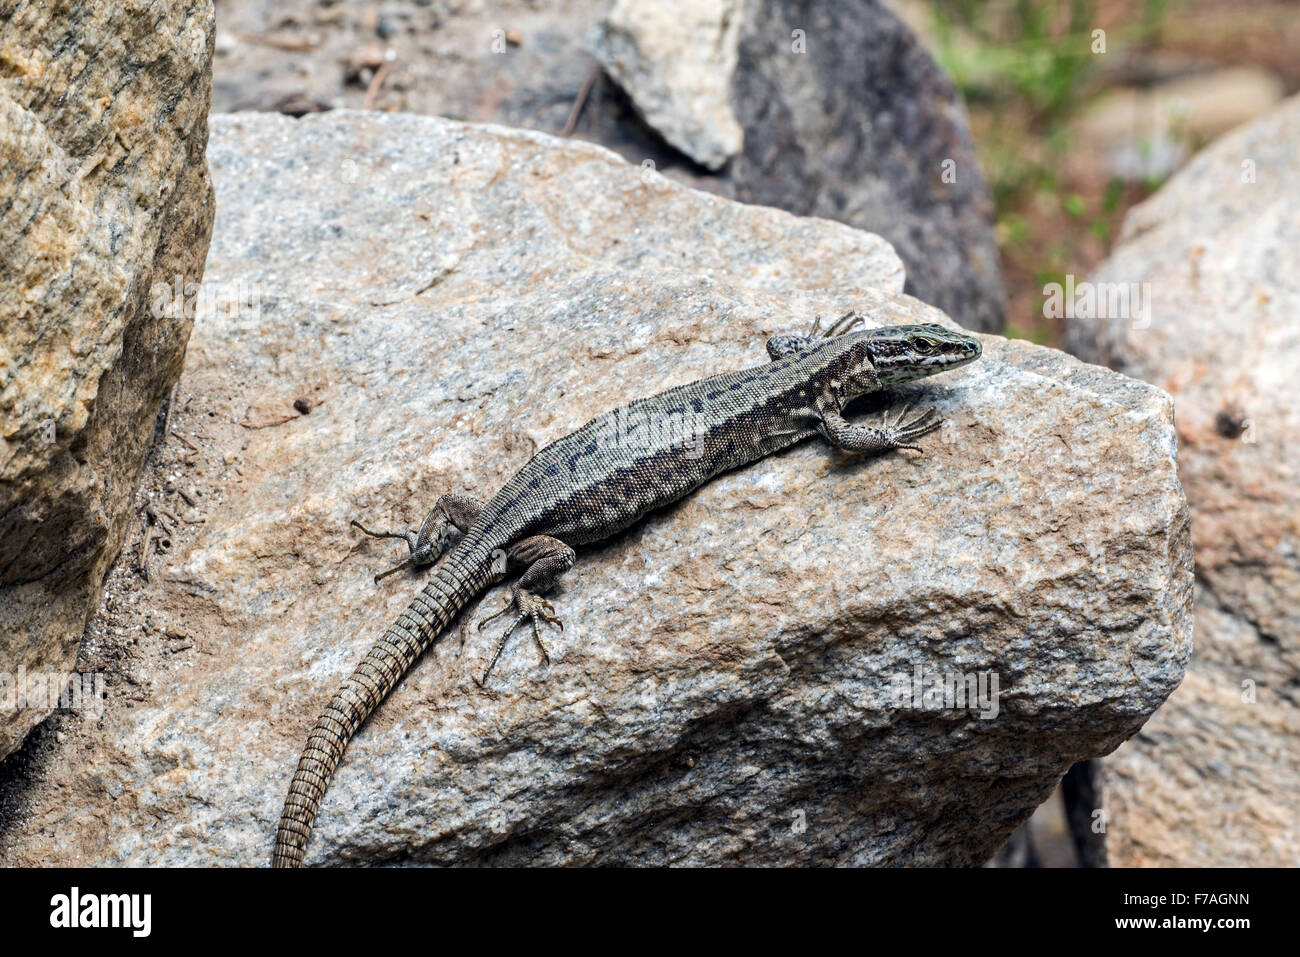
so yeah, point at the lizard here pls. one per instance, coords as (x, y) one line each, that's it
(603, 478)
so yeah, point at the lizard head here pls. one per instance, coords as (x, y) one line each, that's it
(903, 353)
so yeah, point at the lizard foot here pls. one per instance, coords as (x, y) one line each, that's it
(875, 439)
(531, 608)
(899, 433)
(446, 522)
(837, 328)
(419, 553)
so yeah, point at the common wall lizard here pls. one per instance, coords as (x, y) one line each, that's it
(603, 478)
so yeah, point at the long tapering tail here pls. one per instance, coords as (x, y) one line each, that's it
(464, 573)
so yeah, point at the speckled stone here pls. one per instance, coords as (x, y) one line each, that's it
(724, 689)
(831, 110)
(676, 59)
(1213, 779)
(103, 193)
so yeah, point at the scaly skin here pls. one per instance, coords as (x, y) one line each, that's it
(604, 477)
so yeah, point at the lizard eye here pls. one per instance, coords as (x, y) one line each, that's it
(924, 345)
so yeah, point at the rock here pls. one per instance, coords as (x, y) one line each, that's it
(1212, 780)
(225, 43)
(726, 686)
(843, 116)
(848, 119)
(676, 59)
(1201, 105)
(1150, 159)
(103, 125)
(1081, 799)
(1174, 105)
(1147, 131)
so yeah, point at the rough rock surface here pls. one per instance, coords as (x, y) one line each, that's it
(1213, 779)
(675, 59)
(850, 120)
(724, 689)
(103, 192)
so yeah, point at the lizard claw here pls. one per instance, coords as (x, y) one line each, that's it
(899, 432)
(839, 327)
(420, 553)
(532, 609)
(548, 615)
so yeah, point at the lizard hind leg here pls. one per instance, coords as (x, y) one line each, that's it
(545, 560)
(450, 517)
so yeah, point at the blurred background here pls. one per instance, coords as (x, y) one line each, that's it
(1070, 140)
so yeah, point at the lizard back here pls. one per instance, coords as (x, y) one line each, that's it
(624, 464)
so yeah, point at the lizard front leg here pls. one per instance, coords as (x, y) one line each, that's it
(780, 346)
(545, 560)
(450, 517)
(883, 438)
(837, 328)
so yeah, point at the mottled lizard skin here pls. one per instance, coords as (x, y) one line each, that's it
(606, 476)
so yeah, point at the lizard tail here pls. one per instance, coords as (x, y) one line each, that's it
(457, 581)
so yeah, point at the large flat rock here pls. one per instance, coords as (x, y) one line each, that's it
(725, 689)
